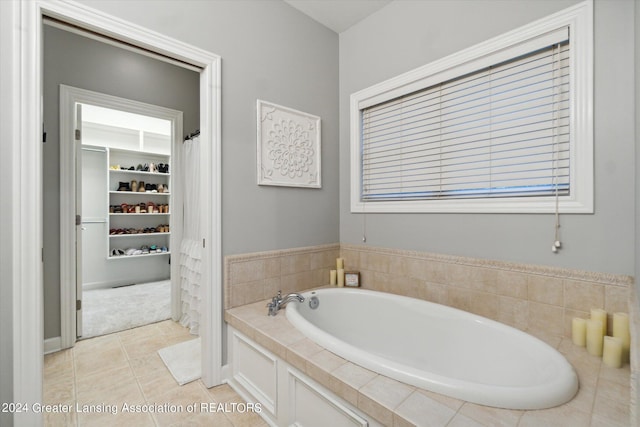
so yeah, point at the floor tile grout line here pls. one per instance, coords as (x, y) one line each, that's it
(136, 379)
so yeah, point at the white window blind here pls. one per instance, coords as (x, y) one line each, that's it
(501, 131)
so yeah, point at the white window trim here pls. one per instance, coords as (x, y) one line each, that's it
(579, 19)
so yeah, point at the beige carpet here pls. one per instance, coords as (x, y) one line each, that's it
(105, 311)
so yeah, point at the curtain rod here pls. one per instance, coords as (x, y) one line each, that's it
(192, 135)
(113, 41)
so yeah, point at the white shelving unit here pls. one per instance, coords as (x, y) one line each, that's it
(123, 225)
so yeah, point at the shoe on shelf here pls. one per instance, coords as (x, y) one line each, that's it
(134, 185)
(141, 187)
(123, 186)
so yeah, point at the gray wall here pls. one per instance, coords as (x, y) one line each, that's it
(407, 34)
(81, 62)
(269, 51)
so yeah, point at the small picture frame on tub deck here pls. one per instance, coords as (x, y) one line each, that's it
(352, 279)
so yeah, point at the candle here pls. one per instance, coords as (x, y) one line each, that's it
(340, 263)
(333, 277)
(340, 277)
(612, 352)
(594, 337)
(601, 315)
(579, 331)
(621, 330)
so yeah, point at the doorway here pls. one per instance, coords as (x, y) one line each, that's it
(125, 227)
(24, 24)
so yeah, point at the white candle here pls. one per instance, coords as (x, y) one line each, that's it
(340, 277)
(594, 337)
(601, 315)
(333, 277)
(621, 330)
(579, 331)
(340, 263)
(612, 352)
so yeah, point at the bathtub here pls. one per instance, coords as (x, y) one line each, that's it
(437, 348)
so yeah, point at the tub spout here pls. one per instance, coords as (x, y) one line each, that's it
(279, 302)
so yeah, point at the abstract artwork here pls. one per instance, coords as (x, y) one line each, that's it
(288, 147)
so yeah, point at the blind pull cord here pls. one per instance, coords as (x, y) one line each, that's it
(556, 66)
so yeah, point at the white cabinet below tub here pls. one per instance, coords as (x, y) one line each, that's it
(287, 397)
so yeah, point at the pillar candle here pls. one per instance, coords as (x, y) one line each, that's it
(340, 263)
(340, 277)
(612, 352)
(579, 331)
(601, 315)
(332, 277)
(621, 330)
(594, 337)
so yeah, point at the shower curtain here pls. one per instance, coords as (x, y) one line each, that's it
(191, 248)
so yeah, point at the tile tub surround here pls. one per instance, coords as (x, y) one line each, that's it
(603, 398)
(538, 299)
(257, 276)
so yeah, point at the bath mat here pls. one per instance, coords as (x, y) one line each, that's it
(183, 360)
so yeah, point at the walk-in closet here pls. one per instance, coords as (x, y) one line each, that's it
(125, 194)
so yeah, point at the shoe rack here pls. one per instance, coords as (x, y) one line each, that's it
(139, 204)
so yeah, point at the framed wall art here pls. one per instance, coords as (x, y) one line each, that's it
(288, 147)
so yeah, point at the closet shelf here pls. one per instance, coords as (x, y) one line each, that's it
(138, 214)
(138, 234)
(139, 193)
(130, 172)
(138, 256)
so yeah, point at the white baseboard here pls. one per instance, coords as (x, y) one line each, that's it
(51, 345)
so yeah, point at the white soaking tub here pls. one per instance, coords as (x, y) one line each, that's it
(435, 347)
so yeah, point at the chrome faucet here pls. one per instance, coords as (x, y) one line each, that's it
(279, 302)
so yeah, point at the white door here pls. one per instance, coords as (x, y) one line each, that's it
(78, 178)
(93, 202)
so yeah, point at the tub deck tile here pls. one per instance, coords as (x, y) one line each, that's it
(383, 395)
(565, 416)
(418, 409)
(300, 352)
(491, 416)
(320, 365)
(348, 379)
(602, 400)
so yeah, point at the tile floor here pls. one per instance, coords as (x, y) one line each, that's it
(106, 372)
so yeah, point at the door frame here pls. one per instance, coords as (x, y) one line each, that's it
(25, 48)
(69, 97)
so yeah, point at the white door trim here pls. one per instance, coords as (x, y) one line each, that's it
(69, 96)
(26, 203)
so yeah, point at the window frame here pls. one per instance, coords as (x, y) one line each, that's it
(579, 20)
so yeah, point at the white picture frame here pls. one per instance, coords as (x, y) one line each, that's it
(288, 147)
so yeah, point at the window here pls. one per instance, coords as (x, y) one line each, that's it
(504, 126)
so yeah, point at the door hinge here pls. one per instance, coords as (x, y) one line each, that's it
(78, 220)
(78, 304)
(78, 134)
(203, 244)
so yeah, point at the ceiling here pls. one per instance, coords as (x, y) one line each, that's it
(338, 15)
